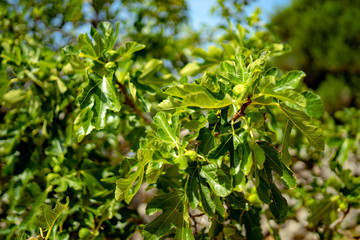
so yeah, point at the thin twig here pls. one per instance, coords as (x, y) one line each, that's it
(129, 102)
(339, 220)
(241, 112)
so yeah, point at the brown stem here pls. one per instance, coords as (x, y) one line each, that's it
(240, 113)
(129, 102)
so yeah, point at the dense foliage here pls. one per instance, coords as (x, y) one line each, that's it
(127, 134)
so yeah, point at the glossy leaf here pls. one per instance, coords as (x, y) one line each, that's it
(219, 182)
(167, 133)
(95, 100)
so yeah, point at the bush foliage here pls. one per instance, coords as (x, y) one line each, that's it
(127, 133)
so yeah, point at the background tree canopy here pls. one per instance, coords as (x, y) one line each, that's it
(324, 37)
(120, 121)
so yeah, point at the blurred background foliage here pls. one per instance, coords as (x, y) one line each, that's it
(325, 41)
(40, 161)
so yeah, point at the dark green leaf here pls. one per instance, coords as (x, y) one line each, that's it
(171, 205)
(206, 201)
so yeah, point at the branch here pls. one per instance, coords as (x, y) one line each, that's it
(339, 220)
(129, 102)
(240, 113)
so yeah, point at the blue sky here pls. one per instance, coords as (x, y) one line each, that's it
(200, 10)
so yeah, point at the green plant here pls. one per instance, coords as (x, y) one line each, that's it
(209, 145)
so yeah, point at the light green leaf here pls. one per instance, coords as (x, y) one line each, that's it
(312, 133)
(150, 68)
(87, 48)
(165, 132)
(190, 69)
(95, 99)
(314, 106)
(219, 182)
(46, 217)
(259, 155)
(129, 48)
(197, 96)
(289, 81)
(153, 172)
(289, 96)
(124, 187)
(110, 36)
(246, 159)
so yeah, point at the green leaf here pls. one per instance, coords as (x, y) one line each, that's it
(197, 96)
(285, 155)
(207, 141)
(259, 155)
(70, 50)
(219, 182)
(87, 48)
(238, 201)
(222, 149)
(192, 186)
(190, 69)
(269, 193)
(124, 187)
(314, 106)
(153, 172)
(167, 133)
(289, 96)
(273, 162)
(110, 36)
(251, 220)
(278, 206)
(312, 133)
(46, 217)
(289, 81)
(95, 99)
(129, 48)
(246, 159)
(4, 83)
(171, 205)
(149, 70)
(206, 201)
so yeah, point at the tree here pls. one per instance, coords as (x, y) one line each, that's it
(107, 124)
